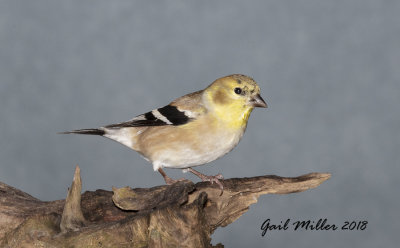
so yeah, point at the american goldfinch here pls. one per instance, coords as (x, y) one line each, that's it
(192, 130)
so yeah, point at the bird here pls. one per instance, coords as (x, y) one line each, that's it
(192, 130)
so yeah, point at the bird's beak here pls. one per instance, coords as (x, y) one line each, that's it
(257, 101)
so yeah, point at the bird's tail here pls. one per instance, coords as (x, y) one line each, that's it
(121, 135)
(90, 131)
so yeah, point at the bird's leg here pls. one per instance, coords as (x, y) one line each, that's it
(167, 179)
(211, 179)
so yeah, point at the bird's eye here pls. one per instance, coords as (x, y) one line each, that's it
(238, 91)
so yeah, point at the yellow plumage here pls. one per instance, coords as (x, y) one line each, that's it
(192, 130)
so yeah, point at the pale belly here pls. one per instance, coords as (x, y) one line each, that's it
(186, 157)
(184, 152)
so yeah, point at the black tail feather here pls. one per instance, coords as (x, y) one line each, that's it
(90, 131)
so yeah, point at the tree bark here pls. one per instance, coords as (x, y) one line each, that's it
(180, 215)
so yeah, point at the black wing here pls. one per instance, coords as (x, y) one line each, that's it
(168, 115)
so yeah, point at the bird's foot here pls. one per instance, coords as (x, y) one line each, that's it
(167, 179)
(213, 179)
(170, 181)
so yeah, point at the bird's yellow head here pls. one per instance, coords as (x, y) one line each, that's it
(233, 98)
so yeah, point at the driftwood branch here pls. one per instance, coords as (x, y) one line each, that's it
(180, 215)
(72, 217)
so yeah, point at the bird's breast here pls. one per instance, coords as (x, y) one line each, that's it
(188, 145)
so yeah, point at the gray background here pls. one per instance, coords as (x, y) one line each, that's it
(328, 69)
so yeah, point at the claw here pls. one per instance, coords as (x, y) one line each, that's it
(210, 179)
(169, 180)
(215, 179)
(219, 176)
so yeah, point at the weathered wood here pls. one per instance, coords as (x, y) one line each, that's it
(72, 217)
(180, 215)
